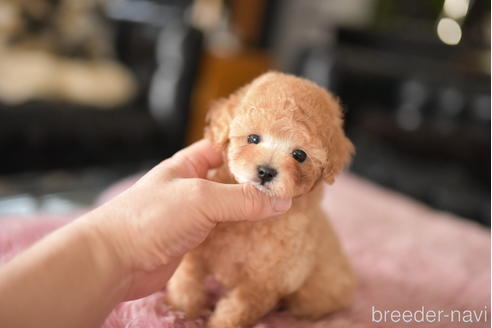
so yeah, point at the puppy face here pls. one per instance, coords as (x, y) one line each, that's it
(274, 154)
(281, 134)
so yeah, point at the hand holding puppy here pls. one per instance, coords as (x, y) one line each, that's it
(171, 210)
(128, 247)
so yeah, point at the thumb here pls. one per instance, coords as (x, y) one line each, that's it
(236, 202)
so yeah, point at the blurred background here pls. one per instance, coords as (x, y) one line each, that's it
(95, 90)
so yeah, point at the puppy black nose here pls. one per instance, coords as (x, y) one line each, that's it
(266, 173)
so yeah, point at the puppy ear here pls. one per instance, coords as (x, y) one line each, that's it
(220, 116)
(339, 148)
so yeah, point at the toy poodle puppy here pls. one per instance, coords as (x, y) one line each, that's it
(284, 135)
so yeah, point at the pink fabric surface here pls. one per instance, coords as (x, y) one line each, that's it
(407, 256)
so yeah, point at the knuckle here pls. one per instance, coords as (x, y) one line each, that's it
(191, 166)
(198, 187)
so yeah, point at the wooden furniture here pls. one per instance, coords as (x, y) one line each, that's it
(219, 77)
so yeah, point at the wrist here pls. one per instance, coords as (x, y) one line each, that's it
(104, 256)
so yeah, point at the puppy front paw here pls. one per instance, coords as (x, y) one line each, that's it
(193, 304)
(221, 322)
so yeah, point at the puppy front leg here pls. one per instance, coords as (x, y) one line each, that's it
(243, 306)
(186, 290)
(329, 288)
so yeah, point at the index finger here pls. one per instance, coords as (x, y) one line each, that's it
(195, 160)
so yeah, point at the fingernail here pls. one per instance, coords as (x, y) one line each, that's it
(281, 204)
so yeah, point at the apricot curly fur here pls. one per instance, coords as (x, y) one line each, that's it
(295, 257)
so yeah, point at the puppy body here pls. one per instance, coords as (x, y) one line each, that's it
(295, 257)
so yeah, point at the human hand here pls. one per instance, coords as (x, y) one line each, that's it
(169, 211)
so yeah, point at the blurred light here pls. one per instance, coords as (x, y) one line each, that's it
(451, 101)
(414, 92)
(449, 31)
(408, 117)
(18, 205)
(456, 8)
(481, 107)
(142, 11)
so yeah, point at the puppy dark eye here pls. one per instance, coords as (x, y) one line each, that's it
(253, 139)
(299, 155)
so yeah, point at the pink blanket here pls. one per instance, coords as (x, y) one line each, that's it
(417, 267)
